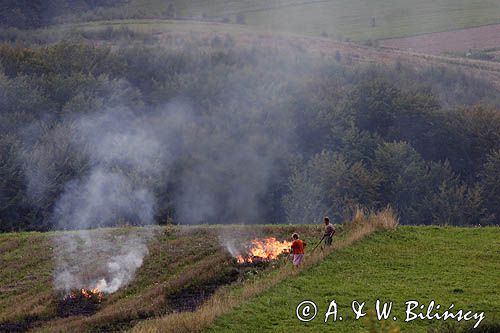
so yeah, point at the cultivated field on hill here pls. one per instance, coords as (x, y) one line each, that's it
(175, 34)
(357, 20)
(469, 40)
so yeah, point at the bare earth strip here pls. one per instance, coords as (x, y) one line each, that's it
(479, 38)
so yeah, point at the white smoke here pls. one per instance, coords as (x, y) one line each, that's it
(231, 246)
(124, 150)
(104, 259)
(212, 168)
(100, 199)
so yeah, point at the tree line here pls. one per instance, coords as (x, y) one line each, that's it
(334, 137)
(29, 14)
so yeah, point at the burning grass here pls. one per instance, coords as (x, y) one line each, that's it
(80, 302)
(95, 295)
(185, 267)
(412, 262)
(187, 277)
(226, 299)
(264, 250)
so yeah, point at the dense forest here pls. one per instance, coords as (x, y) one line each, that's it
(28, 14)
(221, 134)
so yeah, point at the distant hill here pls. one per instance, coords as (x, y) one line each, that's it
(355, 20)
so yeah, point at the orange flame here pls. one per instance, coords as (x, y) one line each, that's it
(266, 250)
(88, 293)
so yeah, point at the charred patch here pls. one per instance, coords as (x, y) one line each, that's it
(20, 326)
(79, 302)
(25, 323)
(191, 297)
(258, 263)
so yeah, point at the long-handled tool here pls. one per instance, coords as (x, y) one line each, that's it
(318, 243)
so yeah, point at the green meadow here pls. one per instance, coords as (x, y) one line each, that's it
(448, 265)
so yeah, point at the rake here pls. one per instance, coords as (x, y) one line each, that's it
(318, 243)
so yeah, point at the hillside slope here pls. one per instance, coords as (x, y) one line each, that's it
(169, 33)
(185, 265)
(356, 20)
(448, 265)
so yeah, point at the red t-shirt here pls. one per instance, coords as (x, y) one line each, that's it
(298, 247)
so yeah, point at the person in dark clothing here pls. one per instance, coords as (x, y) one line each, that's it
(329, 231)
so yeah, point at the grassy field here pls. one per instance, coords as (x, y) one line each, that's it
(181, 260)
(448, 265)
(361, 20)
(357, 20)
(186, 265)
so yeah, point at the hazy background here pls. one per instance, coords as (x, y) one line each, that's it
(138, 113)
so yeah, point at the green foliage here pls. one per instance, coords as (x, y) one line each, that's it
(304, 201)
(21, 94)
(490, 183)
(346, 185)
(457, 204)
(340, 137)
(12, 188)
(403, 178)
(63, 59)
(28, 14)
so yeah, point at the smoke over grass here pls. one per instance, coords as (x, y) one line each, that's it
(123, 151)
(129, 157)
(259, 136)
(105, 259)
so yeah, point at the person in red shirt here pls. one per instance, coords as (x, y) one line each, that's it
(298, 250)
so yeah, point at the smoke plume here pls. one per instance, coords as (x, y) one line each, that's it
(130, 159)
(123, 151)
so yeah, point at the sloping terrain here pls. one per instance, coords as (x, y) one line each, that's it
(174, 34)
(184, 267)
(356, 20)
(464, 40)
(447, 265)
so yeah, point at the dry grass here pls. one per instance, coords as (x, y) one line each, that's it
(363, 224)
(182, 262)
(179, 258)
